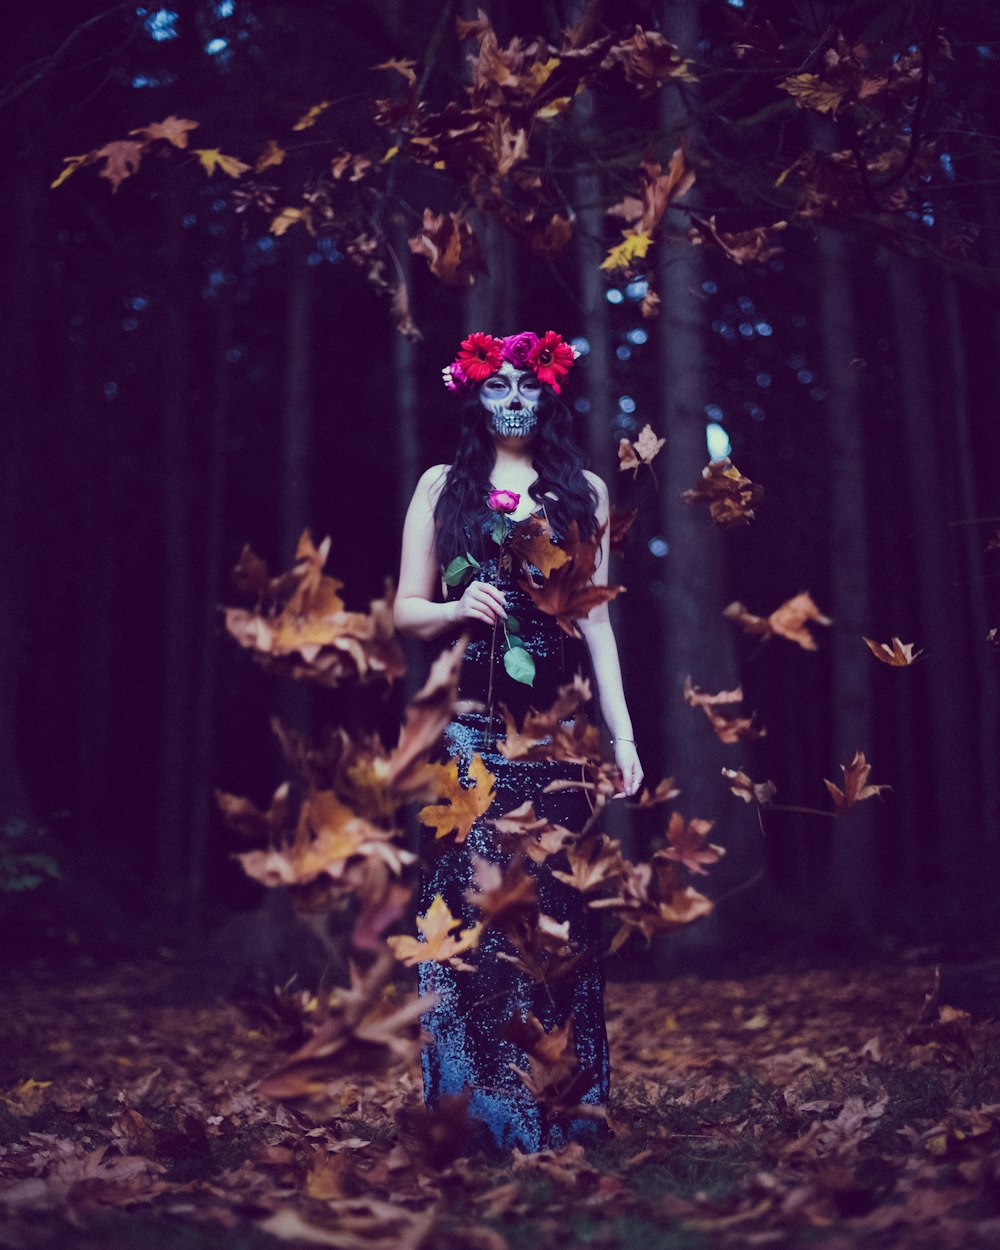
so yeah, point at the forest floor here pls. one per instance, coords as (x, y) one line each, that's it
(803, 1108)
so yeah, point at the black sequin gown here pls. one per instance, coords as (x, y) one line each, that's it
(466, 1046)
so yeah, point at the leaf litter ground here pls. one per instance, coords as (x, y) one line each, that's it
(804, 1108)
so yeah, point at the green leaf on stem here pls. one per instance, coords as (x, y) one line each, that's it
(512, 626)
(519, 665)
(460, 569)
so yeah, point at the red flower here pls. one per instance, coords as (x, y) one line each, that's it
(480, 355)
(503, 500)
(551, 359)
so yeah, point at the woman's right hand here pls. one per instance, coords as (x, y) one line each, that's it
(481, 602)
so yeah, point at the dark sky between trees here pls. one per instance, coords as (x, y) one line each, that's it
(181, 380)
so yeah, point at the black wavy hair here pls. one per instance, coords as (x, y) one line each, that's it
(461, 512)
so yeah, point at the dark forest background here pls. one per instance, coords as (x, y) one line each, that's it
(178, 381)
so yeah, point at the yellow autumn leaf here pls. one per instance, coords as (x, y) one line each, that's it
(811, 92)
(212, 159)
(310, 118)
(72, 164)
(283, 221)
(622, 254)
(465, 804)
(440, 943)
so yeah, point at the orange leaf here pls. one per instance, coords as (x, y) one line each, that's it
(172, 130)
(688, 845)
(730, 496)
(440, 944)
(532, 540)
(643, 451)
(451, 248)
(462, 805)
(788, 620)
(729, 726)
(747, 790)
(855, 788)
(121, 159)
(898, 655)
(273, 154)
(569, 593)
(212, 159)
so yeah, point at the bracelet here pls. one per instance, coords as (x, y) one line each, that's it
(615, 741)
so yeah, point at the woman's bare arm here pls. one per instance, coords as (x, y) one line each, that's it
(417, 610)
(600, 639)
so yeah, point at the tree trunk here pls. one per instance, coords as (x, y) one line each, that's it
(852, 886)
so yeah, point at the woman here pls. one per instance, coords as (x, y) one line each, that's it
(515, 460)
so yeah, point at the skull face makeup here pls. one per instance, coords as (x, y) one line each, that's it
(511, 398)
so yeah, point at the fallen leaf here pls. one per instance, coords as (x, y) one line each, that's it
(461, 806)
(441, 941)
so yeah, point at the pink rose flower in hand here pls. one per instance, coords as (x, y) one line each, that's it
(503, 500)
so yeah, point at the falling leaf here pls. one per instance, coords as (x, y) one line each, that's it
(273, 154)
(855, 788)
(689, 845)
(643, 451)
(593, 864)
(212, 159)
(311, 118)
(650, 306)
(730, 496)
(440, 944)
(426, 716)
(789, 620)
(172, 130)
(534, 542)
(763, 791)
(451, 248)
(70, 165)
(729, 726)
(240, 814)
(620, 522)
(643, 213)
(569, 592)
(461, 806)
(897, 654)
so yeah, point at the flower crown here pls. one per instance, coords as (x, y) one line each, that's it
(549, 358)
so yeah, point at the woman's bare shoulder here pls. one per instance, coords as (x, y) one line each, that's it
(432, 480)
(598, 483)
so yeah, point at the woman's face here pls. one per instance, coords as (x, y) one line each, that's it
(511, 398)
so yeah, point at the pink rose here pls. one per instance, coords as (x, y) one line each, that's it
(456, 379)
(503, 500)
(518, 347)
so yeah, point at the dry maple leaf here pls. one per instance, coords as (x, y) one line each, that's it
(788, 620)
(440, 944)
(273, 154)
(569, 593)
(462, 805)
(644, 450)
(643, 213)
(743, 246)
(747, 790)
(212, 159)
(665, 791)
(506, 898)
(593, 864)
(634, 246)
(241, 815)
(898, 654)
(172, 130)
(534, 542)
(620, 522)
(730, 496)
(451, 248)
(689, 845)
(649, 61)
(121, 159)
(311, 118)
(729, 726)
(424, 720)
(811, 91)
(855, 787)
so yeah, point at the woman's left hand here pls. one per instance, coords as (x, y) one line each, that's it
(627, 759)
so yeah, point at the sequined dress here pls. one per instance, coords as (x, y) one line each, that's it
(466, 1046)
